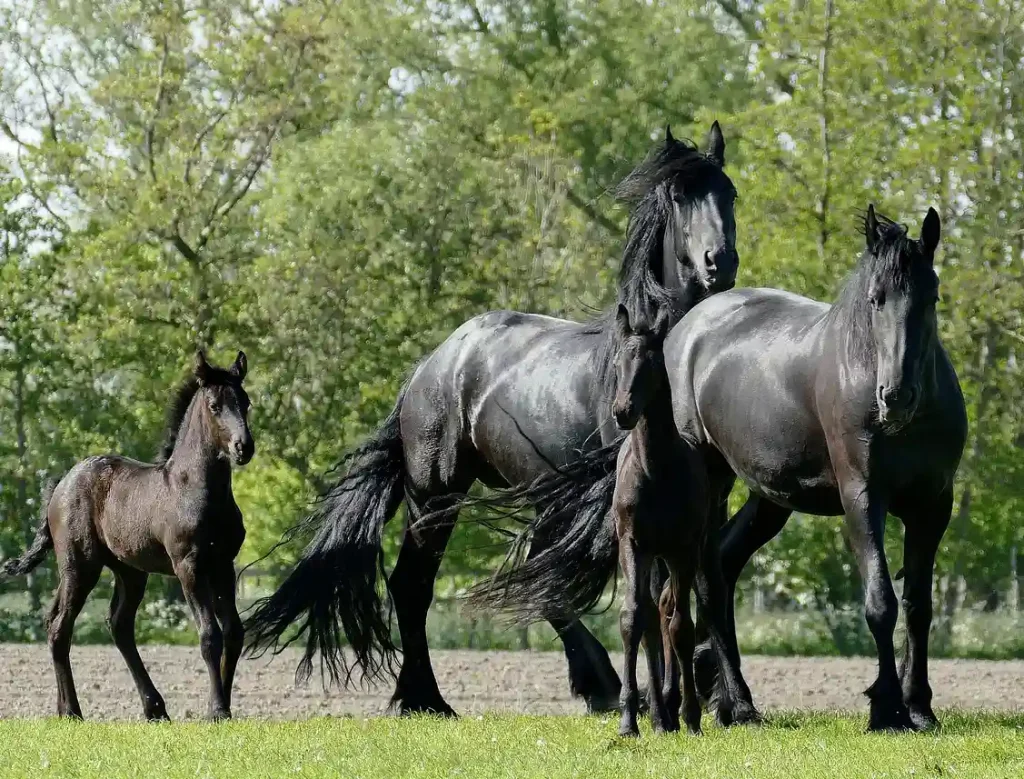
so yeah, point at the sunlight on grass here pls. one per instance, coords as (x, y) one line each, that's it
(789, 746)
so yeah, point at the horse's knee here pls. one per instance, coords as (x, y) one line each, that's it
(211, 640)
(880, 609)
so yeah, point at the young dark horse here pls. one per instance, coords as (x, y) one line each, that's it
(651, 464)
(177, 518)
(852, 409)
(501, 399)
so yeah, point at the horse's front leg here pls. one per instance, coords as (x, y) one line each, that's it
(925, 524)
(865, 522)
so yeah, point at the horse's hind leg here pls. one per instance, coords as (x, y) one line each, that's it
(924, 529)
(76, 580)
(591, 674)
(230, 624)
(129, 589)
(196, 584)
(412, 589)
(753, 526)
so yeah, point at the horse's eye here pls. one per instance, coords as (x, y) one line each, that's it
(877, 300)
(215, 406)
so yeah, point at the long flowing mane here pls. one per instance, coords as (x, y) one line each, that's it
(182, 399)
(648, 191)
(891, 262)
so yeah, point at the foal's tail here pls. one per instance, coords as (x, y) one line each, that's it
(41, 544)
(333, 593)
(575, 550)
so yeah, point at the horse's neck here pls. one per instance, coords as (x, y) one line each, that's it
(194, 452)
(654, 436)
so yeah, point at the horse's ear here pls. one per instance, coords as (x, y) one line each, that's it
(871, 228)
(240, 367)
(930, 231)
(715, 144)
(622, 328)
(669, 140)
(200, 367)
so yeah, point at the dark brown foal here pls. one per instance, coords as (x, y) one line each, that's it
(177, 517)
(651, 463)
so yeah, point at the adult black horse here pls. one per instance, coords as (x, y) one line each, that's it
(504, 397)
(851, 409)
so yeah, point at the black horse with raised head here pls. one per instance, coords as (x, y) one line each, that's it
(504, 397)
(852, 409)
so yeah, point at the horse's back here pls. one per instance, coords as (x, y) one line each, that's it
(741, 368)
(110, 504)
(513, 388)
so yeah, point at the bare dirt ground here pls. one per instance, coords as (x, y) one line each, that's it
(473, 682)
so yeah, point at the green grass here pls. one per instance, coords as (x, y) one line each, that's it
(790, 746)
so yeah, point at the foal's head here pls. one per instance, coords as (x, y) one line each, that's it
(641, 366)
(901, 290)
(215, 396)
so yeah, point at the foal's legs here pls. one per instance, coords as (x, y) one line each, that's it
(230, 623)
(635, 567)
(865, 521)
(680, 636)
(670, 682)
(199, 594)
(129, 589)
(77, 578)
(925, 526)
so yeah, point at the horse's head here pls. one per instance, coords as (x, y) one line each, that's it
(901, 290)
(225, 405)
(700, 238)
(681, 238)
(640, 368)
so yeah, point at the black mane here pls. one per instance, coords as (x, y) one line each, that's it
(178, 407)
(892, 263)
(674, 168)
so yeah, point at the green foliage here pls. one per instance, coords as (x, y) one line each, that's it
(335, 186)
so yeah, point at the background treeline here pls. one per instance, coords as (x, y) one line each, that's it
(335, 186)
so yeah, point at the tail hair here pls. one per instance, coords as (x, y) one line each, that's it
(576, 551)
(41, 544)
(335, 594)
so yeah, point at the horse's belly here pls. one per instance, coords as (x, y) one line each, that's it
(794, 473)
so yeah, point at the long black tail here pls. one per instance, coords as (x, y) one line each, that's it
(41, 544)
(336, 592)
(574, 548)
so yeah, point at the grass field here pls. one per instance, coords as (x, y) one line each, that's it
(790, 746)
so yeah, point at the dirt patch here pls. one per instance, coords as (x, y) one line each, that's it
(473, 682)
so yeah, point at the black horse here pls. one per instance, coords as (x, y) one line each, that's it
(177, 517)
(505, 396)
(852, 409)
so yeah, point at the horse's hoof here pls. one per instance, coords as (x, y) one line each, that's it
(629, 731)
(739, 713)
(889, 720)
(407, 707)
(602, 704)
(157, 716)
(218, 715)
(923, 719)
(705, 672)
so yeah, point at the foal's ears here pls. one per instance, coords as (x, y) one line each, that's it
(240, 366)
(715, 143)
(930, 231)
(200, 367)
